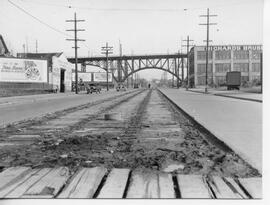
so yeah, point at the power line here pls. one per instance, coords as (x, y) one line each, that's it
(37, 19)
(132, 9)
(42, 22)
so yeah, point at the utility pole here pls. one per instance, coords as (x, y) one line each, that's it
(26, 41)
(75, 47)
(182, 70)
(24, 51)
(107, 50)
(207, 44)
(119, 66)
(178, 69)
(36, 46)
(187, 45)
(261, 68)
(132, 77)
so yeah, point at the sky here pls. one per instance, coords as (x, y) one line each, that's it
(142, 26)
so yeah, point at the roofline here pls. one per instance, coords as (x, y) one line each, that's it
(229, 45)
(4, 44)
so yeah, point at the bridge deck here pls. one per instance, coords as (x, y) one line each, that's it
(127, 57)
(98, 182)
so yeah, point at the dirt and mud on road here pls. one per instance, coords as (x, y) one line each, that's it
(145, 132)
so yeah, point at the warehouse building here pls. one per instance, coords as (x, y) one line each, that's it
(222, 59)
(59, 69)
(20, 76)
(35, 73)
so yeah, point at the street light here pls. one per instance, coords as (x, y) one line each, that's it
(107, 50)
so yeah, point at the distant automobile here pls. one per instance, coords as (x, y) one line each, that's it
(93, 88)
(120, 88)
(233, 80)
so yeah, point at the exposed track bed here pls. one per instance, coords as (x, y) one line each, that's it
(148, 133)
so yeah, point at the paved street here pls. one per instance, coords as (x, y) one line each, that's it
(13, 109)
(236, 122)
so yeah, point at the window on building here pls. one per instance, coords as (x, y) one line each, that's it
(201, 80)
(222, 55)
(222, 67)
(201, 55)
(220, 80)
(256, 67)
(201, 68)
(255, 77)
(256, 54)
(244, 79)
(242, 67)
(240, 54)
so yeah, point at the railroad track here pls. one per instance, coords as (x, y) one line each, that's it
(98, 182)
(66, 120)
(153, 151)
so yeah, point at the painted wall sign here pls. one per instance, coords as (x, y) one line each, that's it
(86, 77)
(23, 70)
(102, 77)
(234, 47)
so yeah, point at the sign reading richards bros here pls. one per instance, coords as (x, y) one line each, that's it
(233, 47)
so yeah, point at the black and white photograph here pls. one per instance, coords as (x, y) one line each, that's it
(132, 99)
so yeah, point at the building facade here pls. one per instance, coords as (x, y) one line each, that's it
(222, 59)
(59, 69)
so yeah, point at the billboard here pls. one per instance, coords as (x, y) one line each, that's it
(23, 70)
(102, 77)
(86, 77)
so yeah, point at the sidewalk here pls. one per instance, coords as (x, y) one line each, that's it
(238, 94)
(238, 123)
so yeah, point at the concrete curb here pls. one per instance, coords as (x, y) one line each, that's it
(227, 96)
(240, 98)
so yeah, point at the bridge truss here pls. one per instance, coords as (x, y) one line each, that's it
(123, 67)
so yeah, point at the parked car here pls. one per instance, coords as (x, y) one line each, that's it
(93, 88)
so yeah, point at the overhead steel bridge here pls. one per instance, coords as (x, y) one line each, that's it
(122, 67)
